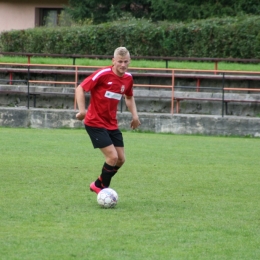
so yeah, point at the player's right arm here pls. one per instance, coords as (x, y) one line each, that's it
(80, 98)
(87, 85)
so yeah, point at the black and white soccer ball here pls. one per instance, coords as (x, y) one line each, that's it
(107, 198)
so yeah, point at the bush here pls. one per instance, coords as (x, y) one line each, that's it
(237, 37)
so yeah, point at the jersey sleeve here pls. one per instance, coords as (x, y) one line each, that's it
(91, 81)
(129, 90)
(88, 83)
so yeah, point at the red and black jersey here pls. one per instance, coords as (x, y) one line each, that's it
(106, 89)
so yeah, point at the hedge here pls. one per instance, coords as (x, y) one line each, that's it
(237, 37)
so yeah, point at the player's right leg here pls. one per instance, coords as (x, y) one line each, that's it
(107, 171)
(100, 139)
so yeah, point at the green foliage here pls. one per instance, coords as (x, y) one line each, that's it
(236, 37)
(159, 10)
(101, 11)
(215, 37)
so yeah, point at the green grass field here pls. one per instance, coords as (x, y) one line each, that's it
(180, 197)
(136, 63)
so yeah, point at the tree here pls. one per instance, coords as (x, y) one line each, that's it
(106, 10)
(183, 10)
(100, 11)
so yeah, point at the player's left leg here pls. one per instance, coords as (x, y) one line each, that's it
(111, 158)
(107, 171)
(117, 139)
(120, 160)
(114, 158)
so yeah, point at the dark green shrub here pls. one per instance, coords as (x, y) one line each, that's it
(237, 37)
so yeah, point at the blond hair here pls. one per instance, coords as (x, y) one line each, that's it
(121, 51)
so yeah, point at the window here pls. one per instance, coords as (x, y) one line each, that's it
(47, 16)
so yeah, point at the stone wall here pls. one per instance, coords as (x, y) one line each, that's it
(158, 123)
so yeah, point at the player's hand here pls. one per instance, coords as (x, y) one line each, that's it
(80, 116)
(135, 123)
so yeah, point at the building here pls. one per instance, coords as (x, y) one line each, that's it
(25, 14)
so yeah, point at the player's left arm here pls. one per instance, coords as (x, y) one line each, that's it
(130, 103)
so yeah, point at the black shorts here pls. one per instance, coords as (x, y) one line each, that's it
(101, 137)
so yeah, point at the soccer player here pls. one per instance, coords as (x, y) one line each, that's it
(107, 86)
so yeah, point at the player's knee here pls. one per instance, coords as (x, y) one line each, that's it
(120, 161)
(112, 160)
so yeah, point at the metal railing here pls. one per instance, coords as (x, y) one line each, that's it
(75, 71)
(156, 58)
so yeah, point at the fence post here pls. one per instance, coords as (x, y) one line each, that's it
(172, 103)
(28, 87)
(76, 85)
(11, 78)
(216, 67)
(28, 58)
(223, 93)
